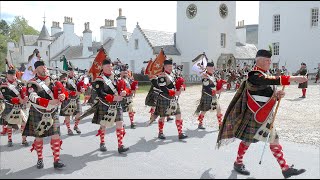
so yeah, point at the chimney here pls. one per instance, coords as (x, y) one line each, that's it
(121, 22)
(68, 26)
(87, 40)
(107, 31)
(55, 28)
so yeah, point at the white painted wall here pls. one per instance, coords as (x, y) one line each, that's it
(143, 53)
(299, 42)
(62, 42)
(119, 48)
(241, 35)
(87, 42)
(202, 33)
(107, 32)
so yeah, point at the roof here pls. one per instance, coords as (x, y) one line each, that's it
(71, 52)
(29, 40)
(56, 35)
(247, 51)
(159, 38)
(168, 50)
(107, 44)
(44, 34)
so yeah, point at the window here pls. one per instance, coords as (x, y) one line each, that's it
(136, 44)
(47, 53)
(275, 47)
(223, 40)
(276, 22)
(314, 17)
(40, 44)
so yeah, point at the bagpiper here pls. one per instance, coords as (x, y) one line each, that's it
(109, 110)
(209, 100)
(303, 72)
(43, 121)
(318, 74)
(71, 106)
(249, 116)
(14, 96)
(167, 103)
(2, 106)
(130, 86)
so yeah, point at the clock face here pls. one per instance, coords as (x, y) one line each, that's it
(191, 11)
(223, 10)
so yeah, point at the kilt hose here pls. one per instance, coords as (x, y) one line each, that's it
(64, 106)
(102, 110)
(34, 119)
(163, 103)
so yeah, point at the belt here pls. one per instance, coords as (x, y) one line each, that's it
(261, 98)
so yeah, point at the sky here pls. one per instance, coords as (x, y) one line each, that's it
(154, 15)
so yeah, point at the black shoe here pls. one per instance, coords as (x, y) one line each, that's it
(40, 164)
(240, 168)
(122, 149)
(58, 165)
(70, 133)
(302, 97)
(169, 119)
(133, 126)
(10, 144)
(182, 136)
(161, 136)
(77, 130)
(103, 147)
(292, 172)
(25, 143)
(200, 126)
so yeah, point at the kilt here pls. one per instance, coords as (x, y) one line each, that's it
(303, 85)
(127, 104)
(103, 110)
(7, 110)
(249, 128)
(162, 104)
(205, 102)
(93, 97)
(34, 119)
(63, 109)
(151, 99)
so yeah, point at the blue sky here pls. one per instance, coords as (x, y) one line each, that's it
(149, 14)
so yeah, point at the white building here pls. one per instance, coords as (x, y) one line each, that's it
(201, 27)
(293, 30)
(77, 49)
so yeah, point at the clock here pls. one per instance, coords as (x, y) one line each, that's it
(191, 11)
(223, 10)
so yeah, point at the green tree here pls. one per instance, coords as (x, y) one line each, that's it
(20, 26)
(12, 33)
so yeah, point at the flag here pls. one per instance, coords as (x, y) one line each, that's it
(28, 73)
(65, 63)
(96, 66)
(158, 63)
(147, 70)
(200, 64)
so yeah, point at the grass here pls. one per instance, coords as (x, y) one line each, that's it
(143, 88)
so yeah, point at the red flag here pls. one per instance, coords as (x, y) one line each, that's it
(97, 64)
(157, 65)
(147, 70)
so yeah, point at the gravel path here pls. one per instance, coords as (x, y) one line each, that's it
(298, 120)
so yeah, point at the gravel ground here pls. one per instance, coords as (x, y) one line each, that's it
(298, 120)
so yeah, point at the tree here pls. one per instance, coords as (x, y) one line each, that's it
(4, 28)
(12, 33)
(20, 26)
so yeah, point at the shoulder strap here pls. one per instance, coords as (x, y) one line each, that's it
(71, 82)
(110, 84)
(45, 87)
(13, 89)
